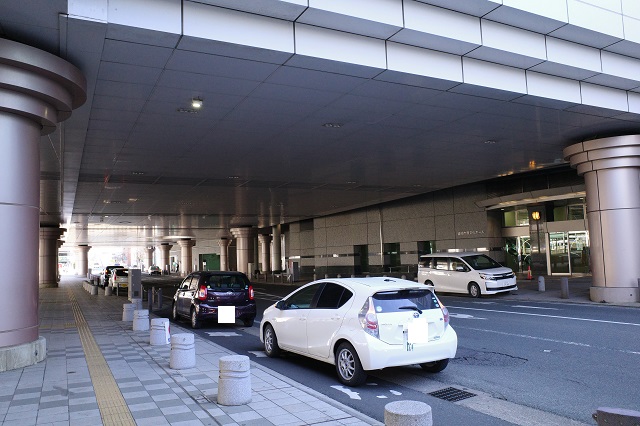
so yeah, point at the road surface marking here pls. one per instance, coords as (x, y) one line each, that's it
(543, 315)
(352, 394)
(258, 354)
(464, 316)
(222, 333)
(535, 307)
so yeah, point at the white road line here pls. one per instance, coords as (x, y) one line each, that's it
(464, 316)
(535, 307)
(526, 336)
(258, 354)
(352, 394)
(222, 333)
(546, 316)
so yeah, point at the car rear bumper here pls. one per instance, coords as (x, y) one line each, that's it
(375, 354)
(208, 312)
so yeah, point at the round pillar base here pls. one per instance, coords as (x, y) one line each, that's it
(50, 284)
(20, 356)
(614, 294)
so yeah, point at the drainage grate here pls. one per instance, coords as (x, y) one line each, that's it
(452, 394)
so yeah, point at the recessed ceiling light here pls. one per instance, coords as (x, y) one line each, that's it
(133, 200)
(137, 173)
(196, 103)
(192, 111)
(351, 182)
(333, 125)
(234, 177)
(490, 142)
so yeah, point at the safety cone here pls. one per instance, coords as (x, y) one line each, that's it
(529, 276)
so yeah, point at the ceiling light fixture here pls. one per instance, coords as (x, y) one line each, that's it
(196, 103)
(332, 125)
(490, 142)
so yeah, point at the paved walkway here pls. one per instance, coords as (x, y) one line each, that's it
(98, 371)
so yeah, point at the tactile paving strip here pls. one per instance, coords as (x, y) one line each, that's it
(113, 408)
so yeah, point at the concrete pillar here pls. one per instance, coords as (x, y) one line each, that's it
(186, 256)
(276, 256)
(150, 256)
(49, 243)
(224, 253)
(165, 249)
(265, 243)
(244, 247)
(83, 263)
(611, 170)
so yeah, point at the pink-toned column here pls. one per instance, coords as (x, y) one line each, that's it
(150, 251)
(186, 266)
(83, 263)
(165, 255)
(611, 169)
(48, 251)
(244, 247)
(265, 260)
(224, 253)
(37, 90)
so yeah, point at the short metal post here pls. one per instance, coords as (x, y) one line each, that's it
(150, 299)
(541, 286)
(159, 296)
(564, 288)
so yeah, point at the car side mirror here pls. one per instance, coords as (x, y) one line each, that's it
(281, 305)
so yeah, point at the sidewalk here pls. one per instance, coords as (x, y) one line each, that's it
(98, 371)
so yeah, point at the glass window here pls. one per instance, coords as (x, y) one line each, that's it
(395, 301)
(441, 263)
(302, 299)
(481, 261)
(456, 263)
(333, 296)
(224, 282)
(194, 282)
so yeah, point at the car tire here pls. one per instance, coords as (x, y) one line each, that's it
(474, 290)
(248, 322)
(271, 347)
(435, 366)
(195, 321)
(348, 366)
(174, 312)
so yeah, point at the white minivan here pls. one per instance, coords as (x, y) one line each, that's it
(473, 273)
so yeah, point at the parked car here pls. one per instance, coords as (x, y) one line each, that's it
(120, 277)
(362, 324)
(470, 272)
(105, 279)
(201, 294)
(154, 270)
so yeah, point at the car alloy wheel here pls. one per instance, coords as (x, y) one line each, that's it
(350, 371)
(271, 347)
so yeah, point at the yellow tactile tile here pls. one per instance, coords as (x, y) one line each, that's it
(113, 408)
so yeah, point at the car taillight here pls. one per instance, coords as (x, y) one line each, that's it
(202, 293)
(445, 314)
(250, 292)
(369, 319)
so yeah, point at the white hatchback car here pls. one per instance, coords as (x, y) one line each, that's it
(362, 324)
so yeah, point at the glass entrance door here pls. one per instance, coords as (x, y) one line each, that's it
(569, 252)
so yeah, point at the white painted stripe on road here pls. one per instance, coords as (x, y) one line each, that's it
(352, 394)
(464, 316)
(535, 307)
(222, 333)
(543, 315)
(258, 354)
(526, 336)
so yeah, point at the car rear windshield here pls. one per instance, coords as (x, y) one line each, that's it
(398, 300)
(122, 273)
(481, 261)
(226, 282)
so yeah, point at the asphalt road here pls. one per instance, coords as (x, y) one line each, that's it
(524, 363)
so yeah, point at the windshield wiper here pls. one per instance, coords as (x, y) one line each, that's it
(413, 308)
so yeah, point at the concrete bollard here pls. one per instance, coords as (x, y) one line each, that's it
(137, 303)
(183, 351)
(94, 290)
(564, 288)
(141, 320)
(616, 416)
(127, 311)
(407, 413)
(159, 333)
(234, 383)
(541, 286)
(108, 291)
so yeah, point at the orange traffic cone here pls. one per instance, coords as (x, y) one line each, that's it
(529, 276)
